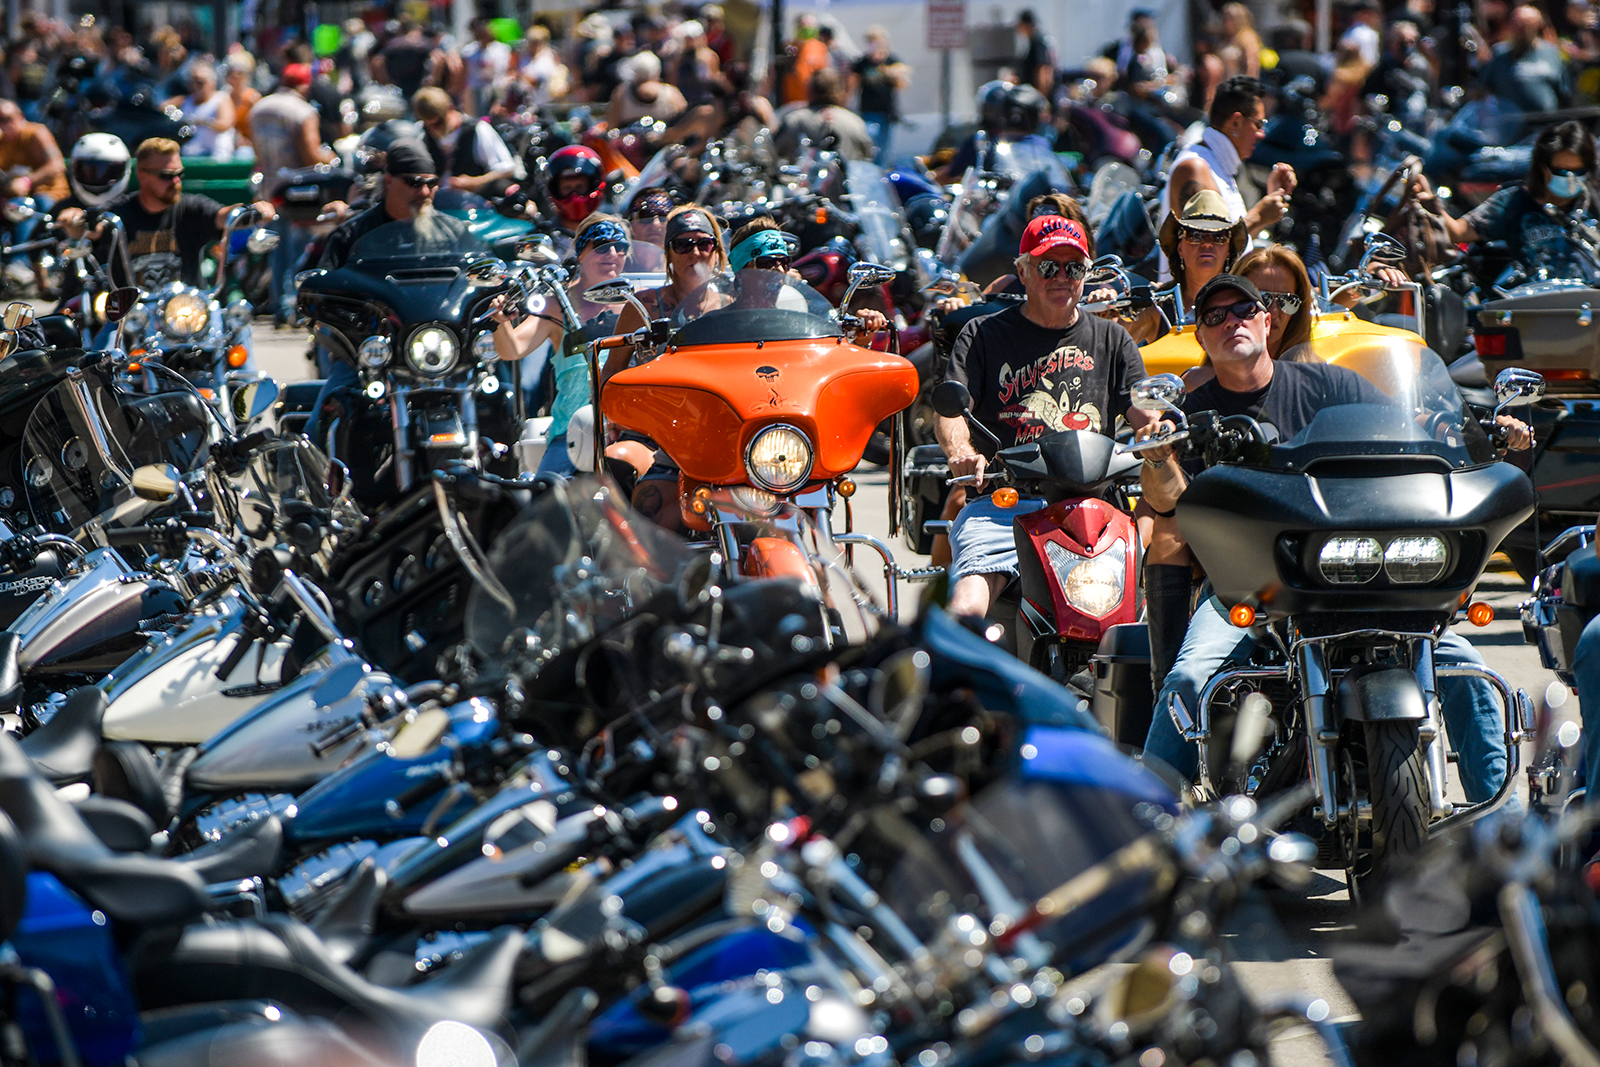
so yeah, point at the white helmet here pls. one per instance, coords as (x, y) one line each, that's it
(580, 438)
(99, 172)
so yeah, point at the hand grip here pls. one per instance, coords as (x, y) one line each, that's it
(240, 648)
(131, 536)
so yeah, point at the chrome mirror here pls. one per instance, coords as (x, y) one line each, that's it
(537, 248)
(254, 399)
(21, 210)
(1382, 249)
(610, 293)
(485, 270)
(261, 241)
(8, 343)
(1159, 394)
(156, 482)
(17, 315)
(1516, 386)
(866, 274)
(120, 301)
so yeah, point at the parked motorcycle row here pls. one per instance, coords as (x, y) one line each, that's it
(380, 747)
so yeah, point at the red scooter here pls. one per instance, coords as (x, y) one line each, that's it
(1079, 557)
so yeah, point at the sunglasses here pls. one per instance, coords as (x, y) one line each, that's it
(165, 175)
(1206, 237)
(771, 262)
(1288, 303)
(684, 245)
(1049, 268)
(1239, 309)
(648, 216)
(419, 181)
(610, 246)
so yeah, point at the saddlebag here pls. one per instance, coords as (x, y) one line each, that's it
(1551, 332)
(1123, 701)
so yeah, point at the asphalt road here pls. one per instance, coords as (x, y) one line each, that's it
(1293, 951)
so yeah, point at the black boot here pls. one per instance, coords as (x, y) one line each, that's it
(1168, 590)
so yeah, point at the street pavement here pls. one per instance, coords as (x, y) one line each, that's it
(1290, 952)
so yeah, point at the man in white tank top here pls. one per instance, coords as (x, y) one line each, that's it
(1238, 120)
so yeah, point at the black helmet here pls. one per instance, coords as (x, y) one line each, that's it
(372, 151)
(1025, 107)
(927, 215)
(992, 105)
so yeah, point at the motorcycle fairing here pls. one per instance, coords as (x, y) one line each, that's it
(1087, 528)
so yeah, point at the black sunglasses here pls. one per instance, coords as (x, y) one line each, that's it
(771, 262)
(1205, 237)
(1049, 268)
(1240, 309)
(648, 216)
(419, 181)
(1288, 303)
(609, 246)
(166, 175)
(684, 245)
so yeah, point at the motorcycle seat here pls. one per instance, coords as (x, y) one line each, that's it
(129, 887)
(63, 749)
(251, 851)
(926, 459)
(281, 959)
(346, 924)
(122, 826)
(283, 1042)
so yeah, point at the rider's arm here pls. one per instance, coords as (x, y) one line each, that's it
(50, 163)
(956, 440)
(1461, 231)
(1161, 480)
(492, 153)
(311, 147)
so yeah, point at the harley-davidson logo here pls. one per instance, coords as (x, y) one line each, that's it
(26, 585)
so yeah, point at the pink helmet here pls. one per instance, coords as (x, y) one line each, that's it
(574, 159)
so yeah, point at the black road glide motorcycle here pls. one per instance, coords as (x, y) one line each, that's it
(1345, 551)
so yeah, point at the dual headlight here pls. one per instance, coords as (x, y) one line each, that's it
(1093, 585)
(1409, 559)
(779, 458)
(185, 315)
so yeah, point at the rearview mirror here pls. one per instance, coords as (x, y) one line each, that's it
(862, 274)
(156, 482)
(8, 343)
(609, 293)
(261, 241)
(1514, 385)
(1383, 249)
(1159, 394)
(485, 270)
(17, 315)
(951, 399)
(537, 248)
(120, 301)
(254, 399)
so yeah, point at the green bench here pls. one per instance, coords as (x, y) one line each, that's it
(226, 183)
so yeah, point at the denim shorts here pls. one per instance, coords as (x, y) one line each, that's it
(981, 541)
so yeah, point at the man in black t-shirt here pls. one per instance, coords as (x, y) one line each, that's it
(1036, 368)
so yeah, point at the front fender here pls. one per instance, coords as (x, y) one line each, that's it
(1381, 696)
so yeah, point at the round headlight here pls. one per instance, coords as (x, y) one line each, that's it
(137, 318)
(374, 353)
(756, 501)
(483, 348)
(779, 458)
(238, 314)
(432, 351)
(1410, 560)
(185, 315)
(1350, 560)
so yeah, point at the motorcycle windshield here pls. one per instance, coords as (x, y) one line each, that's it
(1405, 405)
(429, 240)
(576, 563)
(83, 442)
(753, 305)
(877, 209)
(286, 483)
(1018, 159)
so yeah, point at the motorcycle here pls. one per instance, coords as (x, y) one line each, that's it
(1302, 542)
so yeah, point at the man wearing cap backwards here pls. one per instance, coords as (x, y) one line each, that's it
(409, 183)
(1232, 329)
(1033, 369)
(1237, 121)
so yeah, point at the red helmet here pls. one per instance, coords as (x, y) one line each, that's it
(574, 159)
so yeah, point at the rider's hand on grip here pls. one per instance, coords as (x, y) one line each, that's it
(971, 465)
(1160, 453)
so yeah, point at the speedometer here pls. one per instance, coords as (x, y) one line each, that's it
(39, 472)
(74, 454)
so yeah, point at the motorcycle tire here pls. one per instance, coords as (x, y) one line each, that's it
(1397, 783)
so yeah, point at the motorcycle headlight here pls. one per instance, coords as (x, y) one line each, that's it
(756, 501)
(137, 318)
(779, 459)
(483, 347)
(185, 315)
(432, 351)
(238, 314)
(1093, 585)
(374, 353)
(1412, 560)
(1350, 560)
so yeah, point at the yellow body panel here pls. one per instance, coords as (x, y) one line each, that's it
(1338, 337)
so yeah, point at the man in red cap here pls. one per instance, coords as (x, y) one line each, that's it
(287, 136)
(1036, 368)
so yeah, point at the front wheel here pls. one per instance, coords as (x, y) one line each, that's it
(1397, 779)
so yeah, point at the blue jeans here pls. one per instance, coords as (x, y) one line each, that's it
(1586, 672)
(341, 376)
(1472, 713)
(880, 127)
(292, 242)
(555, 459)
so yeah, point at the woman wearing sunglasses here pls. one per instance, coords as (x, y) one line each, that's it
(601, 246)
(1200, 243)
(647, 225)
(1285, 287)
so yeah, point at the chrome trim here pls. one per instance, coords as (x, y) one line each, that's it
(1434, 747)
(1513, 738)
(891, 569)
(1313, 671)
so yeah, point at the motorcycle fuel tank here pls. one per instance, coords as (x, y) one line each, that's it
(92, 620)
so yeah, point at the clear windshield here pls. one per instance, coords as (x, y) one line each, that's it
(429, 234)
(877, 208)
(1403, 403)
(1020, 158)
(84, 441)
(753, 305)
(576, 563)
(286, 481)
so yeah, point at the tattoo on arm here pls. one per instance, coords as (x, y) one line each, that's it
(647, 499)
(1188, 190)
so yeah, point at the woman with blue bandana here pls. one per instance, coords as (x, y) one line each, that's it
(601, 246)
(760, 245)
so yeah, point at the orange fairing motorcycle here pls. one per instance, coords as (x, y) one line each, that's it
(757, 393)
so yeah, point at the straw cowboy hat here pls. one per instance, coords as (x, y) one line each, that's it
(1204, 211)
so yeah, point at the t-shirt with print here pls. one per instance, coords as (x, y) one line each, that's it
(1513, 215)
(167, 245)
(1029, 380)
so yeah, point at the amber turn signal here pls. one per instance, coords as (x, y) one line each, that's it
(237, 356)
(1242, 615)
(1480, 614)
(1005, 498)
(847, 488)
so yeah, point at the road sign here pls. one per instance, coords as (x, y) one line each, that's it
(947, 23)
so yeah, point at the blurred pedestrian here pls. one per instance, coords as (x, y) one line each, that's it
(1241, 48)
(237, 71)
(287, 136)
(1526, 71)
(403, 62)
(209, 112)
(1366, 20)
(643, 93)
(876, 80)
(467, 155)
(540, 72)
(805, 55)
(487, 63)
(1036, 54)
(717, 37)
(30, 165)
(824, 116)
(697, 73)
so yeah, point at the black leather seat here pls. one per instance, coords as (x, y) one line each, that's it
(346, 924)
(127, 771)
(128, 887)
(123, 827)
(63, 749)
(282, 1042)
(251, 851)
(281, 959)
(10, 672)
